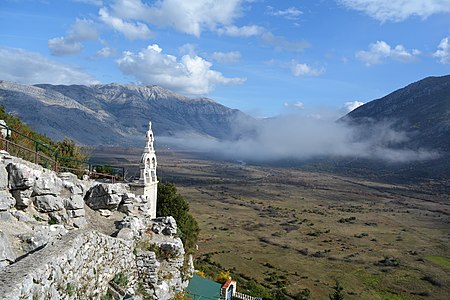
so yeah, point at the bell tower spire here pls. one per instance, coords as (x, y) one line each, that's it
(148, 180)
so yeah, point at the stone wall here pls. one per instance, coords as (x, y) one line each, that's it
(78, 265)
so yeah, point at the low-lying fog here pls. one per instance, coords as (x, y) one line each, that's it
(304, 137)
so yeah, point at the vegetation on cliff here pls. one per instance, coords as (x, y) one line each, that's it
(171, 203)
(29, 139)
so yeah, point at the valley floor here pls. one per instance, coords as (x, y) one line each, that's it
(287, 228)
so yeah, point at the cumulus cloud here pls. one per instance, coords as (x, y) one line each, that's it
(61, 46)
(26, 67)
(443, 52)
(80, 31)
(191, 17)
(191, 74)
(299, 69)
(227, 57)
(244, 31)
(352, 105)
(131, 30)
(295, 137)
(398, 10)
(291, 13)
(381, 50)
(281, 43)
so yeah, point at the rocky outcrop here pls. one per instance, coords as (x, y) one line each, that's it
(105, 196)
(48, 250)
(55, 197)
(161, 264)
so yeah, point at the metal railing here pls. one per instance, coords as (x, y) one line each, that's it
(43, 159)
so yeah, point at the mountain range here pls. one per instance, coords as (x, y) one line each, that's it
(115, 114)
(118, 115)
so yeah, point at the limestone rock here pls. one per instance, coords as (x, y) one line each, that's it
(165, 225)
(48, 203)
(137, 225)
(41, 236)
(3, 178)
(76, 213)
(74, 202)
(79, 222)
(20, 176)
(7, 255)
(125, 234)
(6, 216)
(22, 217)
(23, 198)
(47, 183)
(71, 182)
(105, 196)
(6, 201)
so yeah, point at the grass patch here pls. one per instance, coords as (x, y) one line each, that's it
(439, 260)
(392, 296)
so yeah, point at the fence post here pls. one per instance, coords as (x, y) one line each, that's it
(36, 155)
(56, 161)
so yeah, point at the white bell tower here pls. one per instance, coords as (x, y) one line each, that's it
(147, 167)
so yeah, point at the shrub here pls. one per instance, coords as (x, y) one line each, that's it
(223, 277)
(304, 294)
(171, 203)
(338, 293)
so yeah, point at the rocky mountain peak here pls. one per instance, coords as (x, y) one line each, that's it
(115, 114)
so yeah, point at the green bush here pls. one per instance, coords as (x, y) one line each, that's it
(171, 203)
(338, 293)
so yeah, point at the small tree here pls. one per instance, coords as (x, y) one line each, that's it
(338, 292)
(171, 203)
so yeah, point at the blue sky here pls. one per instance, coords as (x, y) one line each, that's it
(263, 57)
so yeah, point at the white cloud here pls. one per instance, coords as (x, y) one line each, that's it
(92, 2)
(190, 74)
(381, 50)
(281, 43)
(83, 30)
(297, 105)
(398, 10)
(227, 57)
(349, 106)
(244, 31)
(191, 17)
(105, 52)
(131, 30)
(62, 46)
(443, 52)
(291, 13)
(305, 70)
(21, 66)
(80, 31)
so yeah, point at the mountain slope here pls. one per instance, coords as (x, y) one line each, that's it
(422, 109)
(115, 114)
